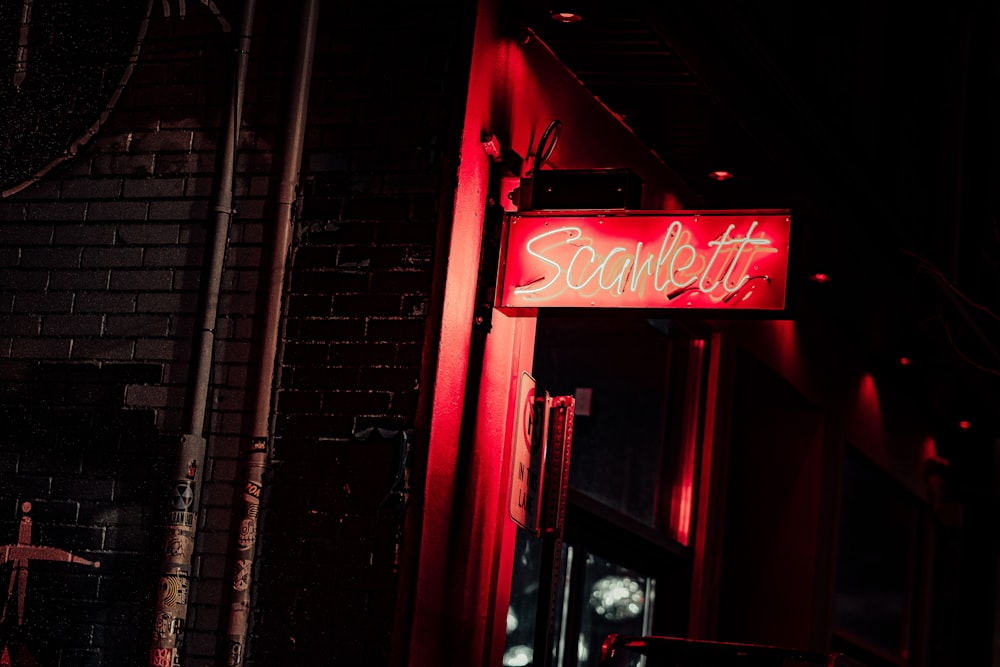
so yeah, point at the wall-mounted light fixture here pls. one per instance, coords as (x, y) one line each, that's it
(565, 16)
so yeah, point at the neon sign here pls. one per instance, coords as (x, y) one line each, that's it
(717, 260)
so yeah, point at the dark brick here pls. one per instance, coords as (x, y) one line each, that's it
(410, 256)
(304, 353)
(50, 257)
(185, 163)
(146, 396)
(151, 188)
(326, 329)
(103, 348)
(104, 302)
(86, 234)
(253, 162)
(329, 282)
(401, 281)
(178, 210)
(11, 211)
(424, 211)
(322, 207)
(22, 279)
(252, 209)
(310, 305)
(146, 280)
(298, 401)
(361, 354)
(410, 181)
(165, 349)
(390, 422)
(83, 489)
(72, 325)
(355, 256)
(239, 302)
(44, 189)
(183, 327)
(111, 164)
(409, 354)
(322, 425)
(149, 234)
(137, 325)
(317, 377)
(34, 234)
(167, 256)
(330, 234)
(92, 188)
(20, 325)
(80, 280)
(9, 257)
(116, 210)
(316, 257)
(392, 379)
(395, 329)
(376, 208)
(199, 187)
(248, 231)
(57, 210)
(406, 232)
(244, 256)
(360, 305)
(414, 305)
(43, 302)
(205, 141)
(41, 348)
(356, 402)
(166, 302)
(162, 140)
(234, 351)
(111, 257)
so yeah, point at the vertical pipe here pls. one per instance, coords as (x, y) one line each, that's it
(182, 517)
(267, 363)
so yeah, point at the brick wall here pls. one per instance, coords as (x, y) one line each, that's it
(382, 127)
(100, 266)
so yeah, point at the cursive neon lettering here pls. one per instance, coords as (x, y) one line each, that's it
(596, 263)
(528, 248)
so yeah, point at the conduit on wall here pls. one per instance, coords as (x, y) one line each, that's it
(182, 512)
(291, 160)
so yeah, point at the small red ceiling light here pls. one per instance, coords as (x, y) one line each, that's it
(821, 278)
(720, 175)
(565, 17)
(964, 425)
(905, 361)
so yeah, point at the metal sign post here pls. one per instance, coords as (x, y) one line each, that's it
(555, 483)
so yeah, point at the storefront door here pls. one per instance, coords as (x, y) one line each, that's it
(625, 562)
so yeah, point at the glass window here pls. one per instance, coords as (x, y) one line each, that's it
(627, 431)
(618, 601)
(638, 389)
(876, 559)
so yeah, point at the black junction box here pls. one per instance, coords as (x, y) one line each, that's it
(571, 189)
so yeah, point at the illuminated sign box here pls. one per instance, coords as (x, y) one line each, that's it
(719, 260)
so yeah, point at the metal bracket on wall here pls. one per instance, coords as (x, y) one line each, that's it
(489, 251)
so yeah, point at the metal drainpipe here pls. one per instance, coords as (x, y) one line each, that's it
(246, 540)
(182, 518)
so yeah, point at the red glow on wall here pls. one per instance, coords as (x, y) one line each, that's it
(964, 425)
(730, 260)
(682, 499)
